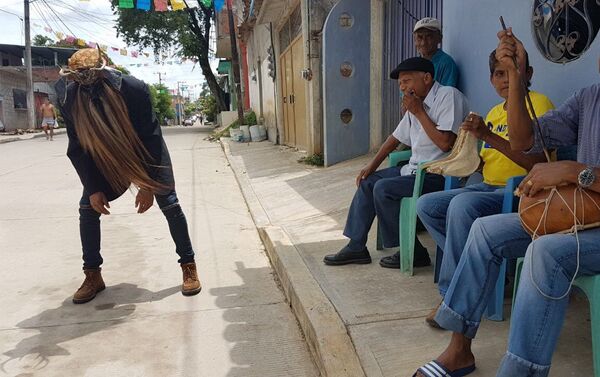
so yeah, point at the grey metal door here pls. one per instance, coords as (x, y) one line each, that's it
(400, 18)
(346, 80)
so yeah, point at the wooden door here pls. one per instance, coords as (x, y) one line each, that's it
(299, 94)
(287, 89)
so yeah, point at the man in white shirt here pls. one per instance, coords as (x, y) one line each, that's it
(434, 115)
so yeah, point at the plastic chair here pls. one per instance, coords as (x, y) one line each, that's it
(590, 285)
(408, 215)
(394, 158)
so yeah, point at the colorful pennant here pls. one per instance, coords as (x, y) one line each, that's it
(123, 52)
(206, 3)
(177, 4)
(127, 4)
(219, 5)
(143, 4)
(160, 5)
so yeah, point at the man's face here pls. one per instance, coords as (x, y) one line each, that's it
(414, 83)
(499, 80)
(427, 41)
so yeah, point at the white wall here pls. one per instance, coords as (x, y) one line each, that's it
(258, 43)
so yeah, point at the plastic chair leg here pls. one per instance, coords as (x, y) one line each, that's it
(495, 307)
(439, 255)
(379, 238)
(408, 232)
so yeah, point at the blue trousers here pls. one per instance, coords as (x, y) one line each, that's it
(89, 229)
(448, 216)
(536, 320)
(380, 195)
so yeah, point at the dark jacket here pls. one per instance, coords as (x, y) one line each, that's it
(137, 98)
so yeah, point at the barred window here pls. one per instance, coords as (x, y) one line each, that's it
(564, 29)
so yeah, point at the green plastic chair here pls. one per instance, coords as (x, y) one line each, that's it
(590, 285)
(408, 214)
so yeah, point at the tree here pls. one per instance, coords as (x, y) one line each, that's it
(187, 32)
(161, 102)
(41, 40)
(209, 107)
(191, 108)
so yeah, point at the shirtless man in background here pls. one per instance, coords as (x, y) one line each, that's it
(48, 118)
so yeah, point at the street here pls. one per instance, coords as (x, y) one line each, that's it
(141, 325)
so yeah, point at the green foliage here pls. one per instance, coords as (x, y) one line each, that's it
(161, 102)
(190, 108)
(250, 118)
(209, 107)
(315, 159)
(41, 40)
(185, 33)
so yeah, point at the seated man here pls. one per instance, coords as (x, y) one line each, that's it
(542, 298)
(427, 35)
(434, 114)
(462, 206)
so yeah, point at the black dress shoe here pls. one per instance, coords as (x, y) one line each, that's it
(346, 256)
(393, 261)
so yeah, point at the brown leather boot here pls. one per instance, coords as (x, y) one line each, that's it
(191, 284)
(92, 284)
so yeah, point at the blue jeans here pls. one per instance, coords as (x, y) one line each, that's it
(380, 195)
(448, 216)
(89, 229)
(536, 321)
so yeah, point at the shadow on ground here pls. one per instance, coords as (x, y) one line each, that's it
(260, 334)
(35, 351)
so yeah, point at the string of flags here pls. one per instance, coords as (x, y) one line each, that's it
(70, 39)
(163, 5)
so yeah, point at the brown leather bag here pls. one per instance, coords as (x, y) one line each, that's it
(561, 209)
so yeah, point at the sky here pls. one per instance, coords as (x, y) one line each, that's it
(93, 21)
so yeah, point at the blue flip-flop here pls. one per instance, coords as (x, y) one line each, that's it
(435, 369)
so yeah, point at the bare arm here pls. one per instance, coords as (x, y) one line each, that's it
(521, 127)
(524, 160)
(388, 147)
(442, 139)
(555, 174)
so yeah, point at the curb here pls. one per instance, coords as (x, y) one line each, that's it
(59, 131)
(324, 330)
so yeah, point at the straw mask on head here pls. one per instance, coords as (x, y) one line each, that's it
(85, 66)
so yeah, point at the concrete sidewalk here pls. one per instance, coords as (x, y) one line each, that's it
(300, 212)
(6, 138)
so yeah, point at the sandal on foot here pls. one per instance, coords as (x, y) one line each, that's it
(435, 369)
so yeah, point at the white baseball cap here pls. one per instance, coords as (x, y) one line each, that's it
(428, 23)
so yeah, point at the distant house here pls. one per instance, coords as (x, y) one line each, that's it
(13, 96)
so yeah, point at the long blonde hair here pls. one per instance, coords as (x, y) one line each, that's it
(106, 133)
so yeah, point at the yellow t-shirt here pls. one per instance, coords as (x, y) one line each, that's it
(498, 168)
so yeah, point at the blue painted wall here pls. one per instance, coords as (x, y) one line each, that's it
(470, 28)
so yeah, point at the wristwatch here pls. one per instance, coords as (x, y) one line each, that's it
(586, 177)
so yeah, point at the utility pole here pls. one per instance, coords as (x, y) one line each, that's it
(235, 63)
(178, 103)
(160, 74)
(29, 82)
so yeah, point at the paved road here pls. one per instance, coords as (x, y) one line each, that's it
(141, 325)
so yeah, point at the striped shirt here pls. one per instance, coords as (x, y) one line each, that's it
(575, 123)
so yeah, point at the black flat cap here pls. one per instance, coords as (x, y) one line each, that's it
(413, 65)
